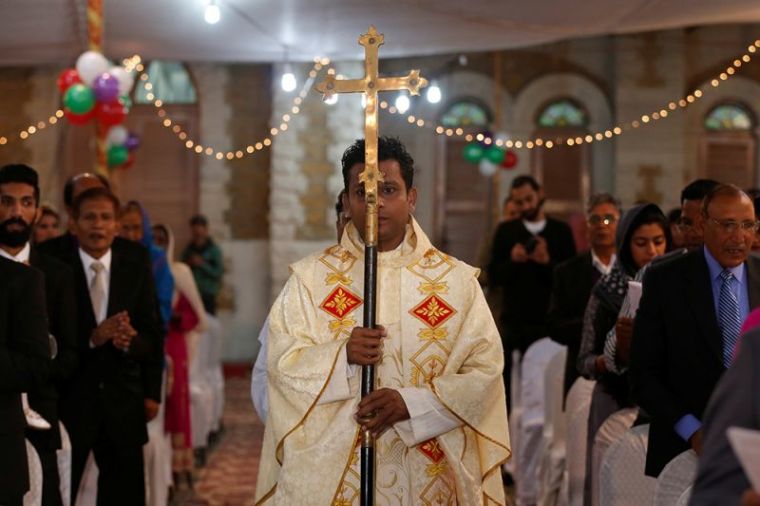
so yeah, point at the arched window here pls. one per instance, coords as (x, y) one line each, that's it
(563, 170)
(562, 113)
(171, 84)
(728, 146)
(465, 113)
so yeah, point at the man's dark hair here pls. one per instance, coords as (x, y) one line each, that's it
(20, 173)
(674, 215)
(68, 188)
(93, 194)
(339, 203)
(198, 219)
(388, 148)
(698, 189)
(521, 181)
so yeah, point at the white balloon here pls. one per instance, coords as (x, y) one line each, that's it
(126, 81)
(117, 136)
(90, 65)
(487, 168)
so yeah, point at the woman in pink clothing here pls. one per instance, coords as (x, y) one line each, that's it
(188, 316)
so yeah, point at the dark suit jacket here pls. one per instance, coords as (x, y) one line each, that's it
(526, 286)
(24, 357)
(106, 394)
(735, 402)
(571, 289)
(677, 349)
(61, 308)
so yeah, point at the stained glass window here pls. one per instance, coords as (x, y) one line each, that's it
(171, 84)
(728, 117)
(560, 114)
(465, 114)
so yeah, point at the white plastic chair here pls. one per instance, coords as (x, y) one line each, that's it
(201, 394)
(534, 364)
(685, 497)
(611, 430)
(622, 479)
(515, 412)
(63, 456)
(551, 465)
(676, 479)
(214, 370)
(157, 455)
(87, 494)
(33, 496)
(577, 408)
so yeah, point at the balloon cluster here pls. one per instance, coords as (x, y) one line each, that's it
(489, 158)
(95, 89)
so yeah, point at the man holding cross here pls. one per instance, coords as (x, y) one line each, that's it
(438, 411)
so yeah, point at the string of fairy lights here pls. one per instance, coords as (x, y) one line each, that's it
(134, 64)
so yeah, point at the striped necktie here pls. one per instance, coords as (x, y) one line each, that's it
(728, 315)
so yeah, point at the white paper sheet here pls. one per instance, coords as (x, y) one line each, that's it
(631, 301)
(746, 445)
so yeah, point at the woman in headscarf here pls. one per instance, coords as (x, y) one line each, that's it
(642, 235)
(188, 317)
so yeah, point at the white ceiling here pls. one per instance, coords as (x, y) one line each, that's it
(53, 31)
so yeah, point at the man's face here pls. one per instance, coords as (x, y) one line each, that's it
(395, 203)
(728, 229)
(47, 227)
(528, 201)
(131, 226)
(691, 224)
(199, 233)
(97, 226)
(602, 225)
(18, 211)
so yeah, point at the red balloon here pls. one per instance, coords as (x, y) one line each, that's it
(128, 164)
(79, 119)
(510, 160)
(110, 113)
(67, 78)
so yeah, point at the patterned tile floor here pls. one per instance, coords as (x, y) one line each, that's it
(229, 477)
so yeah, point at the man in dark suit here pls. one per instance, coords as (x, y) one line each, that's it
(735, 403)
(574, 279)
(20, 194)
(24, 357)
(117, 386)
(688, 323)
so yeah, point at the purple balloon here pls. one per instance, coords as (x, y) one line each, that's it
(133, 141)
(106, 88)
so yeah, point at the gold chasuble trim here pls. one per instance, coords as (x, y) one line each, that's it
(278, 450)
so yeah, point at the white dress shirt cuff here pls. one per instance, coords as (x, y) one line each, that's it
(428, 418)
(339, 388)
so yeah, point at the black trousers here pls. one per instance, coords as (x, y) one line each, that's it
(45, 442)
(121, 478)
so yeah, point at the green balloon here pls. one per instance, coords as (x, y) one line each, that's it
(117, 155)
(79, 99)
(473, 153)
(495, 155)
(126, 102)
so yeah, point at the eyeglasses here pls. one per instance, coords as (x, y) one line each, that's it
(607, 219)
(731, 226)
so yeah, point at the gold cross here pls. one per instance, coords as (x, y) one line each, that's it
(370, 85)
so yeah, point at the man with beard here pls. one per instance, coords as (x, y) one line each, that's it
(20, 197)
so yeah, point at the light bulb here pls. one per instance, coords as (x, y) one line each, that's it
(288, 81)
(212, 15)
(433, 94)
(333, 99)
(402, 103)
